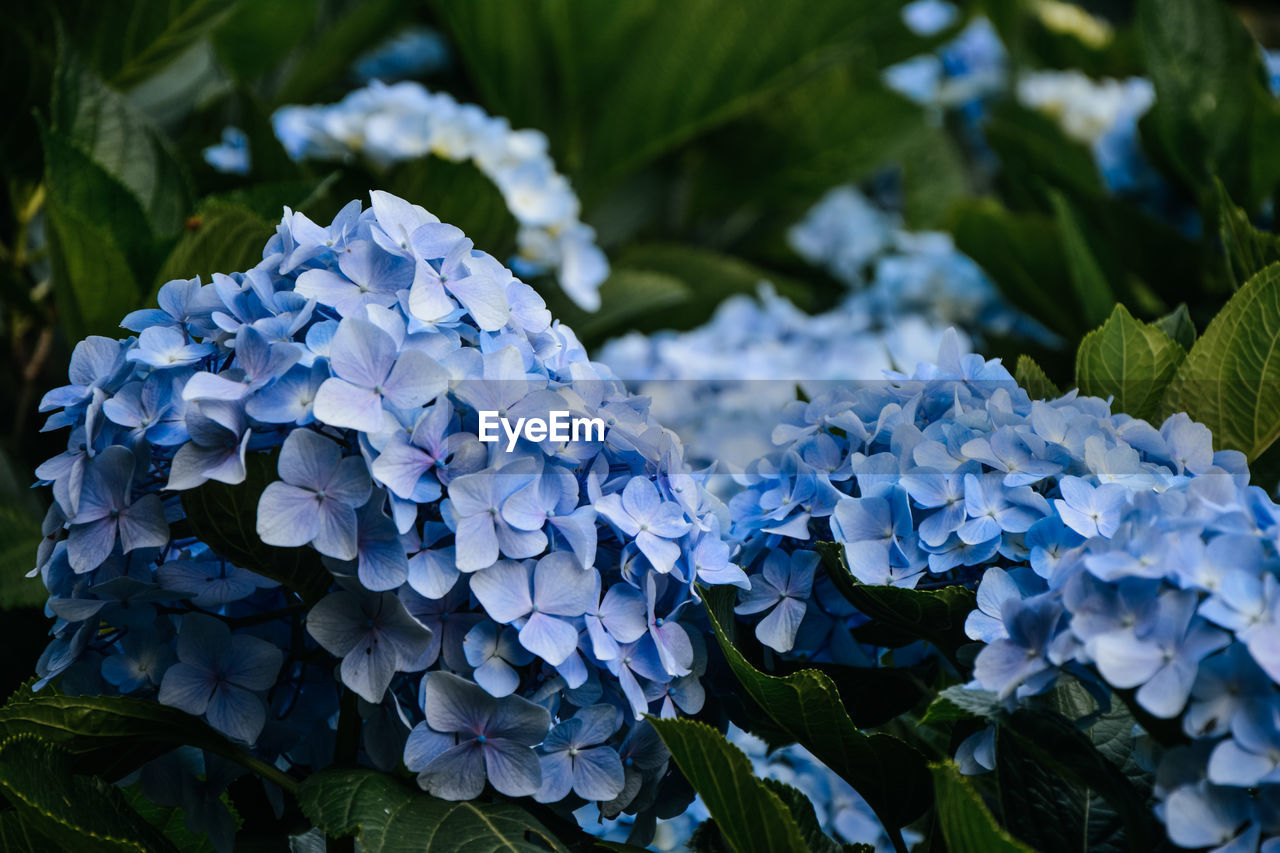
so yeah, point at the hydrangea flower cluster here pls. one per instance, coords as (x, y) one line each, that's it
(1134, 557)
(721, 385)
(504, 613)
(404, 121)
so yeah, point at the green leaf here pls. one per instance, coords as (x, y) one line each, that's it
(1246, 249)
(936, 615)
(1050, 813)
(221, 237)
(1230, 381)
(386, 816)
(119, 138)
(327, 56)
(1054, 742)
(960, 703)
(20, 536)
(1204, 65)
(803, 814)
(224, 517)
(1032, 378)
(967, 824)
(171, 821)
(1037, 159)
(750, 815)
(627, 296)
(257, 37)
(18, 835)
(73, 811)
(108, 735)
(888, 773)
(1093, 292)
(1178, 326)
(1130, 360)
(554, 66)
(1024, 256)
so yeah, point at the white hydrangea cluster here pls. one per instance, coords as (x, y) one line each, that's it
(390, 124)
(1087, 109)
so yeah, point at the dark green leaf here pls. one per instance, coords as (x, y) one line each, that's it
(627, 297)
(960, 703)
(888, 773)
(1178, 326)
(257, 37)
(171, 821)
(750, 815)
(805, 817)
(1230, 381)
(224, 517)
(1130, 360)
(108, 735)
(116, 136)
(967, 824)
(386, 816)
(1050, 813)
(75, 812)
(221, 237)
(1055, 743)
(936, 615)
(1092, 289)
(326, 57)
(1204, 65)
(19, 538)
(1038, 160)
(1246, 249)
(19, 835)
(1032, 378)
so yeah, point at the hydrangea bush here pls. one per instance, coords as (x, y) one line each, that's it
(274, 496)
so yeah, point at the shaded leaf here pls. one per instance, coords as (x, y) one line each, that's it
(967, 824)
(960, 703)
(1230, 381)
(1050, 813)
(1032, 379)
(1130, 360)
(888, 773)
(327, 56)
(1178, 326)
(1246, 249)
(386, 816)
(936, 615)
(72, 811)
(221, 237)
(1092, 290)
(750, 816)
(803, 814)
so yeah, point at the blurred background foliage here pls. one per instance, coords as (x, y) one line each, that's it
(695, 134)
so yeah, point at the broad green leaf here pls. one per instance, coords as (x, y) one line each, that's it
(225, 518)
(805, 817)
(171, 821)
(1048, 812)
(628, 297)
(115, 135)
(1178, 326)
(1230, 381)
(1055, 743)
(750, 815)
(1038, 160)
(327, 56)
(19, 835)
(1093, 292)
(220, 237)
(1129, 360)
(109, 735)
(936, 615)
(257, 37)
(1204, 65)
(75, 812)
(387, 816)
(960, 703)
(1032, 378)
(1246, 250)
(1025, 258)
(554, 66)
(888, 773)
(19, 538)
(967, 824)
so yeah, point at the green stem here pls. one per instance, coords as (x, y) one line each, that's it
(267, 771)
